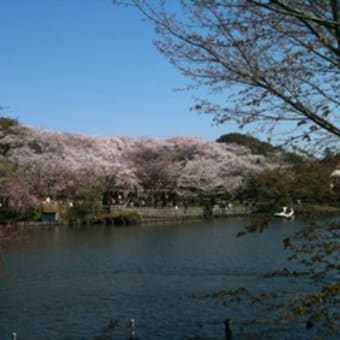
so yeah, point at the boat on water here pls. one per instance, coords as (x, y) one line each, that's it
(285, 213)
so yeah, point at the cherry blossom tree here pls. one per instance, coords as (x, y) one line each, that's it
(19, 197)
(64, 166)
(16, 194)
(270, 65)
(155, 167)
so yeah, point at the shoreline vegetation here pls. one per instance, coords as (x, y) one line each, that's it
(57, 178)
(125, 216)
(116, 215)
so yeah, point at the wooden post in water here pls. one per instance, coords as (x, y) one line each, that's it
(228, 332)
(14, 336)
(132, 329)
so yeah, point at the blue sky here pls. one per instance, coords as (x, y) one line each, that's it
(89, 67)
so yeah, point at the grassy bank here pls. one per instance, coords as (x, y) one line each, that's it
(116, 215)
(135, 215)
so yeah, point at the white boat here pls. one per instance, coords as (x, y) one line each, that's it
(285, 213)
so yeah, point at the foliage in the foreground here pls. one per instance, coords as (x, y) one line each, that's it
(272, 66)
(315, 250)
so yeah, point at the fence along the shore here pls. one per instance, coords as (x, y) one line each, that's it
(164, 213)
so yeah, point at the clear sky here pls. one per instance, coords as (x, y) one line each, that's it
(89, 67)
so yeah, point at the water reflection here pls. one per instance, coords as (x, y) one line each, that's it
(72, 283)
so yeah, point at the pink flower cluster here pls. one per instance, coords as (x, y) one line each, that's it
(61, 163)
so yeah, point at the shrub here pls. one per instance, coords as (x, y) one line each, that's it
(7, 123)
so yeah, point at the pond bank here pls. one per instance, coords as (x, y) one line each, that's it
(163, 214)
(120, 215)
(307, 209)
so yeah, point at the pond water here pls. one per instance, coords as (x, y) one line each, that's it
(71, 283)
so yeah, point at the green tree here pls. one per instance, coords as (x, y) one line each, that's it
(307, 181)
(86, 207)
(254, 144)
(7, 126)
(18, 202)
(272, 185)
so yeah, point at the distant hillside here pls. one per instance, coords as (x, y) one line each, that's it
(254, 144)
(186, 164)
